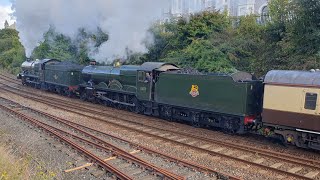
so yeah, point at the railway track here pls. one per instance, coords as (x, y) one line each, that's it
(93, 134)
(86, 138)
(10, 79)
(51, 131)
(272, 161)
(112, 111)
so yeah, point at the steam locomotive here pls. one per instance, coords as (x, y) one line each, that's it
(284, 105)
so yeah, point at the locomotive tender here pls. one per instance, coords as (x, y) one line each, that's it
(232, 102)
(51, 74)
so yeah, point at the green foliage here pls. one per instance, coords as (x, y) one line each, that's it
(11, 167)
(293, 36)
(55, 46)
(208, 41)
(215, 42)
(186, 42)
(201, 55)
(61, 47)
(12, 53)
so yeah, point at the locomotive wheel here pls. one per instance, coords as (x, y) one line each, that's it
(137, 107)
(283, 140)
(83, 96)
(196, 124)
(229, 126)
(107, 103)
(195, 120)
(229, 131)
(120, 106)
(166, 113)
(100, 101)
(68, 93)
(113, 105)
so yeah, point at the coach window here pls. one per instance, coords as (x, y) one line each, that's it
(311, 101)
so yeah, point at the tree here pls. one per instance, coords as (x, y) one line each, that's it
(55, 46)
(293, 34)
(185, 43)
(12, 53)
(59, 46)
(6, 24)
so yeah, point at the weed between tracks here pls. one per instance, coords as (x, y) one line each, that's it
(12, 168)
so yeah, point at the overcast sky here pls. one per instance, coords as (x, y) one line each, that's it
(5, 10)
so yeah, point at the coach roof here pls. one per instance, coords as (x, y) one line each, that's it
(307, 78)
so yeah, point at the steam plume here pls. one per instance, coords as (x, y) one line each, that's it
(125, 21)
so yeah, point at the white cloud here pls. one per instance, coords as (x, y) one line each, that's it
(4, 15)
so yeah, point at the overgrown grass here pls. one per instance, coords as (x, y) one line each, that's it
(12, 168)
(13, 71)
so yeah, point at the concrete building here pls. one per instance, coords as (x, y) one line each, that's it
(179, 8)
(246, 7)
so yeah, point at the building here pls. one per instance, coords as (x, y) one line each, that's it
(7, 26)
(179, 8)
(246, 7)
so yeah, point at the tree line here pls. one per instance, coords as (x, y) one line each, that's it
(214, 42)
(207, 41)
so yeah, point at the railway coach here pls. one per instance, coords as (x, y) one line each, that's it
(291, 107)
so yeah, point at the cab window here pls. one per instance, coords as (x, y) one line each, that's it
(311, 101)
(141, 76)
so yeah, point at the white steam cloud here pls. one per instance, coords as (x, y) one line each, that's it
(125, 21)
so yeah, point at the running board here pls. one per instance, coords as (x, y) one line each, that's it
(115, 101)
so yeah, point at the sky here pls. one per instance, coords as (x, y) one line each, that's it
(5, 10)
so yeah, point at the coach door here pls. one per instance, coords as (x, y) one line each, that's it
(309, 117)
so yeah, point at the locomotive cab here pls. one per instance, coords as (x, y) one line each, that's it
(148, 74)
